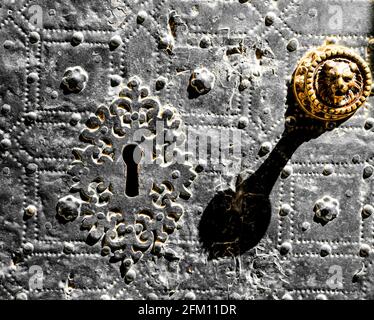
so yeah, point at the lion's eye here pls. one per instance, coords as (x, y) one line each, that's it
(347, 78)
(333, 75)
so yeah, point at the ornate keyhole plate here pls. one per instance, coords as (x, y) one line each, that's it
(129, 226)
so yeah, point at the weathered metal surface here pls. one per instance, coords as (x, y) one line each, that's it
(278, 206)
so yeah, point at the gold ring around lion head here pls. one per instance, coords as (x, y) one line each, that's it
(331, 82)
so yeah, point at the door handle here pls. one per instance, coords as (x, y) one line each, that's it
(331, 82)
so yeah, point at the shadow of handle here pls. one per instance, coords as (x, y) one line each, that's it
(234, 222)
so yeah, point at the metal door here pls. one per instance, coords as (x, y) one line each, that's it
(155, 150)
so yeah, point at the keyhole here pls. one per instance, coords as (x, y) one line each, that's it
(132, 155)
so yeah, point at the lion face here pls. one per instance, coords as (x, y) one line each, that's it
(338, 82)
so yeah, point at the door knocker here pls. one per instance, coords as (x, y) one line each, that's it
(331, 82)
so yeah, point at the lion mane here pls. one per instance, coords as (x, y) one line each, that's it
(338, 82)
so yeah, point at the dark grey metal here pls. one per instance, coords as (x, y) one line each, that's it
(79, 79)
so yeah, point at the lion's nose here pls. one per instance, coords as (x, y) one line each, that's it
(341, 83)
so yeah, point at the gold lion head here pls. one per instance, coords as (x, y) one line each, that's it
(338, 82)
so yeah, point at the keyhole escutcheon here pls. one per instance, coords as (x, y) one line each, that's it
(132, 155)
